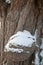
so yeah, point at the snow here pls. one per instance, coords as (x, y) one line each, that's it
(22, 41)
(37, 45)
(36, 58)
(41, 44)
(41, 53)
(14, 50)
(8, 1)
(24, 33)
(21, 38)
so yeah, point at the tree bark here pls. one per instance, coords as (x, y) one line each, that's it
(23, 15)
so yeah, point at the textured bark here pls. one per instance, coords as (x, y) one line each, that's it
(25, 14)
(22, 15)
(3, 13)
(11, 58)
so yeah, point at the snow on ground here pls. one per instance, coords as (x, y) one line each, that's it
(21, 38)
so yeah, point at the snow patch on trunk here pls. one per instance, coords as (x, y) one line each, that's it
(13, 50)
(21, 38)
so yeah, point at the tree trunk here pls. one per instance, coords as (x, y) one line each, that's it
(23, 15)
(3, 14)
